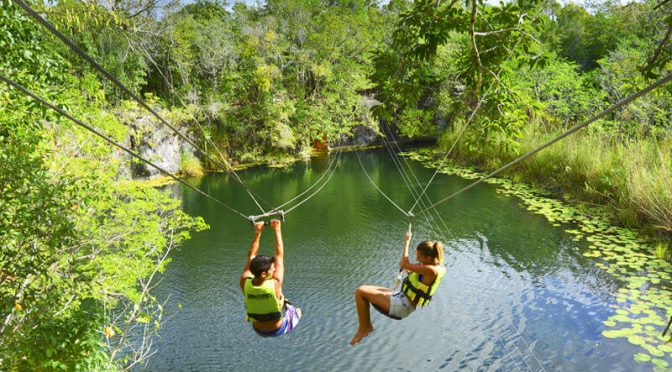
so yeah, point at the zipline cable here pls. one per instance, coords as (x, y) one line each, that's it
(111, 141)
(277, 211)
(330, 170)
(331, 163)
(445, 157)
(406, 178)
(570, 131)
(314, 193)
(121, 86)
(403, 174)
(413, 190)
(377, 188)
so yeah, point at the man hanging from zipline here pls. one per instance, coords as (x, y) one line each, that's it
(268, 310)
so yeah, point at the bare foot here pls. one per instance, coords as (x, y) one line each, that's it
(361, 333)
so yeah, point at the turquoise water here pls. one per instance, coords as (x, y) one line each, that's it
(518, 294)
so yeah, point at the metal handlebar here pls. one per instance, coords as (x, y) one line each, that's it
(280, 213)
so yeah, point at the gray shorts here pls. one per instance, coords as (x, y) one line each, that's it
(400, 306)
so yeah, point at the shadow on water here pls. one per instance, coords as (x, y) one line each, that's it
(517, 295)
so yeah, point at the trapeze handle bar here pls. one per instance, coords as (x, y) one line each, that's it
(280, 213)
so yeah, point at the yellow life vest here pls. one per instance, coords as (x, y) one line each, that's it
(418, 292)
(260, 302)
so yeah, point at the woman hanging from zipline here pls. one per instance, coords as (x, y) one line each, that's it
(416, 290)
(268, 310)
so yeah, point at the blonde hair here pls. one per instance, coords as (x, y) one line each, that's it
(432, 249)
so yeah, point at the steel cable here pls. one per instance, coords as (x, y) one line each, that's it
(404, 175)
(414, 192)
(376, 186)
(331, 163)
(314, 193)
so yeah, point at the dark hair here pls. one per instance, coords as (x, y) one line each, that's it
(431, 249)
(260, 264)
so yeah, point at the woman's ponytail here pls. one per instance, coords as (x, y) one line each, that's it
(432, 249)
(438, 248)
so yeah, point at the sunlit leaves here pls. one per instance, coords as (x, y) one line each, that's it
(75, 243)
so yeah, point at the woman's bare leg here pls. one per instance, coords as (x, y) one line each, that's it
(364, 296)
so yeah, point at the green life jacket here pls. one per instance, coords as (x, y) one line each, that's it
(418, 292)
(261, 303)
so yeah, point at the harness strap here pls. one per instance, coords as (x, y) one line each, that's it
(269, 316)
(418, 293)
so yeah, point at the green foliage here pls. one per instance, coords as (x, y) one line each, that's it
(105, 34)
(620, 77)
(190, 165)
(415, 123)
(427, 25)
(437, 57)
(78, 251)
(582, 37)
(565, 96)
(273, 78)
(586, 37)
(74, 247)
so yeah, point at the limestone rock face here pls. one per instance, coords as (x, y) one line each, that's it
(360, 135)
(158, 144)
(155, 142)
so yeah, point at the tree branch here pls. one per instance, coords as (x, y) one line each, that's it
(652, 61)
(474, 46)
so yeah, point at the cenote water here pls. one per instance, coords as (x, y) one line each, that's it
(519, 293)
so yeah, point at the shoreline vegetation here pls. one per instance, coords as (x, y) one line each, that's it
(632, 178)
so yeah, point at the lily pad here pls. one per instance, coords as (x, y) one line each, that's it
(637, 340)
(621, 318)
(616, 333)
(642, 358)
(652, 350)
(660, 363)
(646, 320)
(665, 348)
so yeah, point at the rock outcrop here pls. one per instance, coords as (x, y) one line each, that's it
(155, 142)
